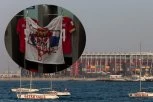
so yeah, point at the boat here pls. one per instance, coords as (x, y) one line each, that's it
(58, 93)
(149, 79)
(30, 95)
(36, 96)
(135, 78)
(20, 89)
(141, 93)
(24, 90)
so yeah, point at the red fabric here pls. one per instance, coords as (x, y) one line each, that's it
(33, 70)
(21, 25)
(69, 27)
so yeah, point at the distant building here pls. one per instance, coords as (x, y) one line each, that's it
(114, 63)
(12, 75)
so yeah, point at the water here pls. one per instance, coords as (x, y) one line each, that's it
(82, 91)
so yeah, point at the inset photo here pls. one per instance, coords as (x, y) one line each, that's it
(45, 38)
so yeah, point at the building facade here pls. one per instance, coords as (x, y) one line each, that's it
(114, 63)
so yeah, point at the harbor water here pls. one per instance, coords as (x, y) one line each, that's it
(81, 91)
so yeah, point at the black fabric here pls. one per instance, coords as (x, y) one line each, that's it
(50, 68)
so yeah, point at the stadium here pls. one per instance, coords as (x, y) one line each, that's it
(119, 63)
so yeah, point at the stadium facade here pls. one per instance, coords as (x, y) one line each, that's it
(114, 63)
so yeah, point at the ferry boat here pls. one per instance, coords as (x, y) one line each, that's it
(36, 96)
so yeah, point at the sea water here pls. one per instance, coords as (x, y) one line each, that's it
(81, 91)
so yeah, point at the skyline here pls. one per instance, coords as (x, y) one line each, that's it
(115, 25)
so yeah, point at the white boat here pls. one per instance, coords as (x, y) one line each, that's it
(36, 96)
(135, 78)
(20, 89)
(24, 90)
(59, 93)
(141, 93)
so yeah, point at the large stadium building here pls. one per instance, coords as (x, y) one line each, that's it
(114, 63)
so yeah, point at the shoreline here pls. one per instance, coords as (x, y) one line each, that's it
(48, 79)
(69, 79)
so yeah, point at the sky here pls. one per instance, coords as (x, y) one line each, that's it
(110, 25)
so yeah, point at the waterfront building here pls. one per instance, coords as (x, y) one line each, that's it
(124, 63)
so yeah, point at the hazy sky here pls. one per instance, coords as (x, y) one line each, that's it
(110, 25)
